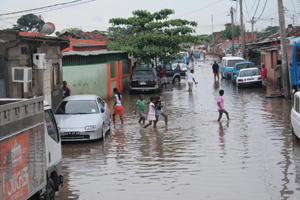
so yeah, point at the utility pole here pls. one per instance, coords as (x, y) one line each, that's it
(293, 19)
(285, 70)
(212, 28)
(252, 22)
(232, 30)
(242, 29)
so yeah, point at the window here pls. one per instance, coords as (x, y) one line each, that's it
(231, 63)
(56, 74)
(100, 102)
(297, 105)
(168, 67)
(298, 54)
(24, 50)
(51, 126)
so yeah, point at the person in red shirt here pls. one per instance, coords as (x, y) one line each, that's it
(66, 91)
(264, 75)
(163, 78)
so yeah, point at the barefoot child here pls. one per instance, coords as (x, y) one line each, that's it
(118, 106)
(141, 105)
(221, 106)
(158, 106)
(151, 114)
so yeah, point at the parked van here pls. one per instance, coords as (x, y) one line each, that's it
(185, 55)
(227, 65)
(295, 115)
(197, 53)
(295, 66)
(228, 53)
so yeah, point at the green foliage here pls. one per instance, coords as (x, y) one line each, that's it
(227, 33)
(57, 33)
(153, 35)
(71, 30)
(28, 23)
(270, 30)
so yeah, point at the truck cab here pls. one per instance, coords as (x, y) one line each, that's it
(295, 67)
(53, 150)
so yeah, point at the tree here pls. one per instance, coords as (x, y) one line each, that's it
(227, 33)
(154, 36)
(270, 30)
(29, 23)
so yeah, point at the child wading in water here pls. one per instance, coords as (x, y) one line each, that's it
(141, 105)
(118, 106)
(221, 106)
(151, 114)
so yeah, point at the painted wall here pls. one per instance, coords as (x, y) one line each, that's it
(269, 58)
(87, 79)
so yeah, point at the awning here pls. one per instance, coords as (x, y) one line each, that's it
(87, 53)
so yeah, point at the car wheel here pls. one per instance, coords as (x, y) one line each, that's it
(176, 80)
(103, 132)
(109, 124)
(51, 189)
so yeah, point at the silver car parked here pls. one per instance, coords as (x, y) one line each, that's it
(82, 117)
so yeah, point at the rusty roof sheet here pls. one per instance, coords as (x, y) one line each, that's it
(85, 44)
(92, 52)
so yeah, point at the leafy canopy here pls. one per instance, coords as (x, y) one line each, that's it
(227, 33)
(154, 35)
(28, 23)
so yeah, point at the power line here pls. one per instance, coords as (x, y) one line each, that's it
(252, 6)
(74, 4)
(262, 10)
(200, 8)
(59, 4)
(256, 8)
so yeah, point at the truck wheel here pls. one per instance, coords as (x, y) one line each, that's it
(176, 80)
(51, 190)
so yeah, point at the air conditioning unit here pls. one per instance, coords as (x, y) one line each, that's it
(289, 40)
(21, 74)
(39, 61)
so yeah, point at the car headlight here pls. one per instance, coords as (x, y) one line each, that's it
(90, 127)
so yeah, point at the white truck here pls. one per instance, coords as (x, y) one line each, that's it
(30, 146)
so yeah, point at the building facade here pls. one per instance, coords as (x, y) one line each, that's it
(17, 51)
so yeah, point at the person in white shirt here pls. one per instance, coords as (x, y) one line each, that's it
(191, 79)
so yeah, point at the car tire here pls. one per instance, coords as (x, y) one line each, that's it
(51, 189)
(109, 124)
(103, 132)
(176, 79)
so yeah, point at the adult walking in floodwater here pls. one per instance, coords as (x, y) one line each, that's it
(278, 74)
(264, 75)
(118, 106)
(215, 68)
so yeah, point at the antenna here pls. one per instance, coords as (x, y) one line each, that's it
(48, 28)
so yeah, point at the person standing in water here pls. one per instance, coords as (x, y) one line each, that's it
(118, 106)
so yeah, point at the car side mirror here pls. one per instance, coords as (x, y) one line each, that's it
(102, 110)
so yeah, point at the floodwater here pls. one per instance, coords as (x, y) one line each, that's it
(252, 156)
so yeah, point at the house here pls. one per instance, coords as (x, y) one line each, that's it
(86, 36)
(21, 76)
(270, 51)
(89, 68)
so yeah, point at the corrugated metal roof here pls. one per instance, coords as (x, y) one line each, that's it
(4, 41)
(87, 53)
(85, 44)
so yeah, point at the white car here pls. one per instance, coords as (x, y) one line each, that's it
(249, 77)
(82, 117)
(295, 115)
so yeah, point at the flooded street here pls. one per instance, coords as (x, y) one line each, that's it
(252, 156)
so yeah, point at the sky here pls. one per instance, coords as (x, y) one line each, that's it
(96, 14)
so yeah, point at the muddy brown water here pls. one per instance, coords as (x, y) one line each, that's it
(253, 156)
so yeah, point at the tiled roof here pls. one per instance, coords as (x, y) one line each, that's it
(91, 36)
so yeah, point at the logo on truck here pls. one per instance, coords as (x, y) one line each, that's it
(14, 165)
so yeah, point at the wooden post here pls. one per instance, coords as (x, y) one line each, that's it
(232, 30)
(283, 52)
(242, 30)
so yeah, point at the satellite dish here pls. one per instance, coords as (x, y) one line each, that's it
(48, 28)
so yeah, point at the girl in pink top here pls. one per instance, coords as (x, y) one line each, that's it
(151, 114)
(221, 106)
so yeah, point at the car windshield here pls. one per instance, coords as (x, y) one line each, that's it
(176, 61)
(253, 72)
(77, 107)
(183, 54)
(231, 63)
(142, 73)
(196, 51)
(244, 66)
(230, 52)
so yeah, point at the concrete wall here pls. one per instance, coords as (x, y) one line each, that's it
(87, 79)
(41, 79)
(269, 58)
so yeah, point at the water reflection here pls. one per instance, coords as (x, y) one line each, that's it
(222, 138)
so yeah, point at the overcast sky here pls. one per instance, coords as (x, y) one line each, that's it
(96, 14)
